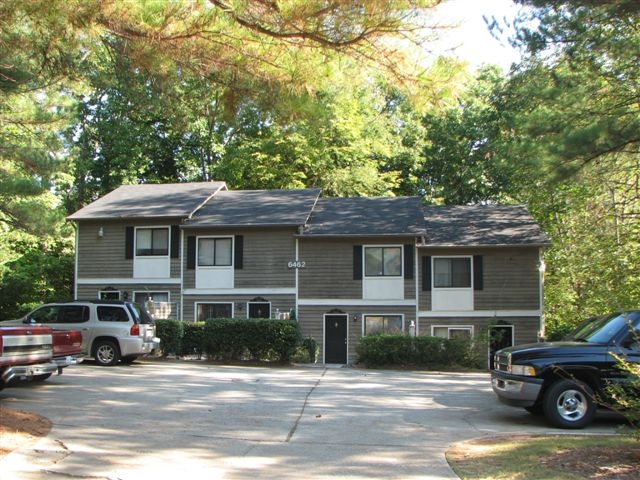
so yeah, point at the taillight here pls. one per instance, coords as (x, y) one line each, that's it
(135, 330)
(76, 338)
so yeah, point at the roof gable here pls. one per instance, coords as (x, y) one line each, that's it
(482, 225)
(150, 200)
(367, 216)
(256, 208)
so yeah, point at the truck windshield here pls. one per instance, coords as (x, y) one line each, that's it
(604, 329)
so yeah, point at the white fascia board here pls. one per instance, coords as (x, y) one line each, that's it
(336, 302)
(128, 281)
(479, 313)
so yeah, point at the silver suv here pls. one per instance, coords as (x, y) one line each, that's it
(112, 330)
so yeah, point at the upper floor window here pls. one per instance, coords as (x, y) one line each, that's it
(215, 252)
(452, 272)
(152, 242)
(383, 261)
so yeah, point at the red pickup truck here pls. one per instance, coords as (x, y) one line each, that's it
(36, 352)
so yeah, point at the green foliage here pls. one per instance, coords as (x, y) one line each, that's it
(40, 273)
(171, 334)
(420, 352)
(191, 342)
(242, 339)
(310, 346)
(465, 160)
(626, 395)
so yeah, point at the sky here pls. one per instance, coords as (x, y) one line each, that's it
(470, 39)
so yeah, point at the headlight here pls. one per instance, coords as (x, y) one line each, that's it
(525, 370)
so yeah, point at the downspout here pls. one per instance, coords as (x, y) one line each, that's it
(417, 281)
(76, 227)
(297, 309)
(181, 318)
(541, 268)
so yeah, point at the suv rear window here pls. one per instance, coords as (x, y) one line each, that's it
(140, 315)
(112, 314)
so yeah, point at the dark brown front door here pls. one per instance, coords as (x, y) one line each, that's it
(500, 336)
(335, 338)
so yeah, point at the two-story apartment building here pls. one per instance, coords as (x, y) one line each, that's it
(341, 267)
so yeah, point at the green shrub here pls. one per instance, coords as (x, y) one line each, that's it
(192, 339)
(170, 333)
(253, 339)
(310, 346)
(626, 395)
(422, 352)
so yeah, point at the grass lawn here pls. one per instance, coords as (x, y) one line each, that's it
(558, 457)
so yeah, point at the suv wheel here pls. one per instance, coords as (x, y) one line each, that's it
(569, 404)
(106, 353)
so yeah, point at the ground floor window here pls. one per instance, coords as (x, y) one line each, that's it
(452, 331)
(374, 324)
(109, 294)
(259, 310)
(205, 311)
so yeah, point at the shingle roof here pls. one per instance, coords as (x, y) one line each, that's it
(363, 216)
(482, 225)
(150, 200)
(254, 208)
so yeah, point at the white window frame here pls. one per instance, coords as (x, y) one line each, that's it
(469, 328)
(215, 276)
(366, 315)
(197, 304)
(451, 298)
(382, 287)
(151, 266)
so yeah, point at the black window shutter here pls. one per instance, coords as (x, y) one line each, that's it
(238, 252)
(426, 273)
(408, 262)
(128, 243)
(357, 262)
(478, 276)
(175, 241)
(191, 252)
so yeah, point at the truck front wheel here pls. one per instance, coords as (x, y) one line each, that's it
(569, 404)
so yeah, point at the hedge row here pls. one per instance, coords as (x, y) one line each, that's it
(419, 352)
(230, 339)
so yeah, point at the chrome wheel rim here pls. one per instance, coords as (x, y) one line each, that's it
(572, 405)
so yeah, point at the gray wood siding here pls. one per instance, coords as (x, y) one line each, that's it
(328, 271)
(93, 291)
(511, 280)
(510, 276)
(266, 253)
(105, 256)
(311, 320)
(283, 303)
(525, 329)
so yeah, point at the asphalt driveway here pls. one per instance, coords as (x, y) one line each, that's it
(199, 421)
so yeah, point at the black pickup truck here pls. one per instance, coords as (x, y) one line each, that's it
(567, 380)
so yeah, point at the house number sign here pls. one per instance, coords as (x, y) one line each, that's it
(296, 264)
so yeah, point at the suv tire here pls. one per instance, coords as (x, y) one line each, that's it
(106, 353)
(569, 404)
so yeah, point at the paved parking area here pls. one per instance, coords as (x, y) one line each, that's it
(157, 419)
